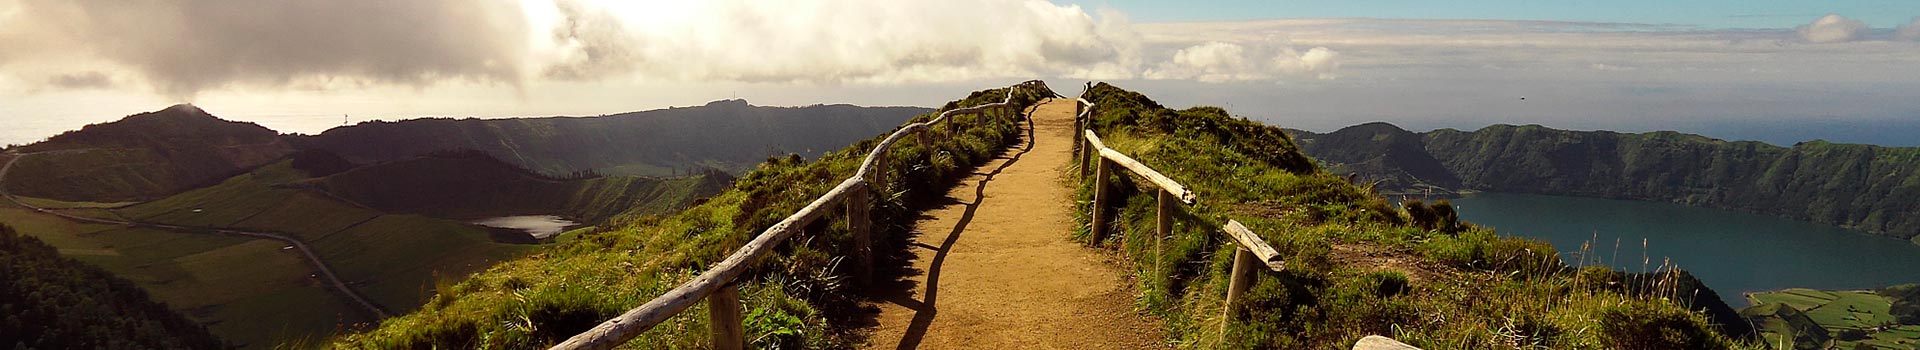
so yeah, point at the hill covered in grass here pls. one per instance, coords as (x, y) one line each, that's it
(799, 299)
(1357, 265)
(471, 185)
(152, 155)
(730, 135)
(143, 156)
(1863, 187)
(52, 302)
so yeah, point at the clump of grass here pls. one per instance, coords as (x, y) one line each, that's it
(1357, 266)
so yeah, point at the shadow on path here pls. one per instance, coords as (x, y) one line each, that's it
(926, 309)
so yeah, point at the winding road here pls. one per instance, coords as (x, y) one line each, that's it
(312, 258)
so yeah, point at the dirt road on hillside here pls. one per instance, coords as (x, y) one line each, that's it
(319, 267)
(995, 269)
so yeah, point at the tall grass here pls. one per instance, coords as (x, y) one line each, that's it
(1357, 266)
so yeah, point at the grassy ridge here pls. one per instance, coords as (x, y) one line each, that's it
(1356, 266)
(791, 298)
(472, 185)
(730, 135)
(1863, 187)
(144, 156)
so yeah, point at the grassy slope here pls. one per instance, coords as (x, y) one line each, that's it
(249, 293)
(392, 257)
(471, 185)
(791, 298)
(143, 156)
(54, 302)
(1813, 317)
(727, 135)
(1471, 290)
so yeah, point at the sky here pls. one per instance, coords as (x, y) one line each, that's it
(1776, 71)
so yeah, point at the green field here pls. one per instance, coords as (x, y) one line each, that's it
(244, 289)
(392, 259)
(252, 291)
(1836, 312)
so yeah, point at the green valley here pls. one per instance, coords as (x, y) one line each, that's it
(179, 202)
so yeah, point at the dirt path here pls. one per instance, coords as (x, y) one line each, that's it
(994, 269)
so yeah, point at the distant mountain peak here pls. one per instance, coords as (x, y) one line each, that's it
(735, 102)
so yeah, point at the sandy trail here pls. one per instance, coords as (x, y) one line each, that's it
(994, 269)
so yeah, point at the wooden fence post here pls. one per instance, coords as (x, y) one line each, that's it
(879, 181)
(1243, 274)
(1086, 154)
(1101, 194)
(861, 225)
(1163, 224)
(724, 320)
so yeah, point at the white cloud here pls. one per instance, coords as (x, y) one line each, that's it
(1909, 31)
(1223, 62)
(1832, 28)
(183, 47)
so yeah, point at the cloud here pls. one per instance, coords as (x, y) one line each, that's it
(1909, 31)
(81, 80)
(1832, 28)
(1223, 62)
(835, 41)
(185, 46)
(1611, 68)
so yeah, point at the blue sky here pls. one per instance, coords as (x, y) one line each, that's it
(1701, 13)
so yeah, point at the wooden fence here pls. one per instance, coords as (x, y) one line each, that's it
(1253, 251)
(719, 285)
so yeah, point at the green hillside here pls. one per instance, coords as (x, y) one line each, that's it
(1356, 265)
(1863, 187)
(143, 156)
(471, 185)
(1858, 319)
(729, 135)
(52, 302)
(798, 299)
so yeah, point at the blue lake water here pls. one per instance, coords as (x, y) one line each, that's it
(1733, 252)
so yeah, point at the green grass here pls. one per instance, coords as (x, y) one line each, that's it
(240, 287)
(797, 298)
(1836, 313)
(52, 203)
(1470, 290)
(250, 289)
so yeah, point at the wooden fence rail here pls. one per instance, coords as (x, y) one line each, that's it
(719, 285)
(1252, 253)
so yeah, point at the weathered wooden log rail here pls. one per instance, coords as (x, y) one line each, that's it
(1253, 251)
(719, 285)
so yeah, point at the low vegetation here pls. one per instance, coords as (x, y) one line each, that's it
(52, 302)
(1356, 265)
(795, 299)
(1857, 319)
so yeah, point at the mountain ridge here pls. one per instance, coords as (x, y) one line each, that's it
(151, 155)
(1863, 187)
